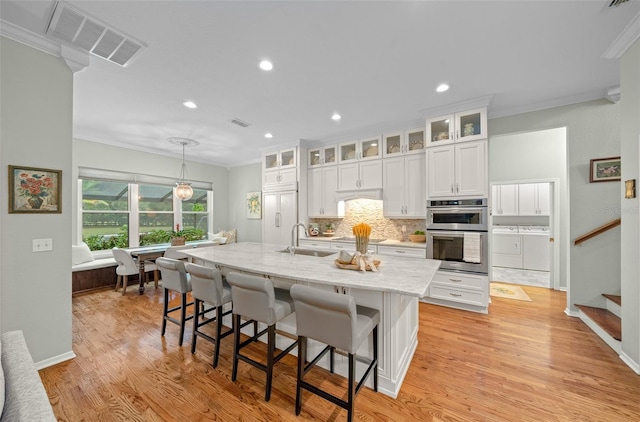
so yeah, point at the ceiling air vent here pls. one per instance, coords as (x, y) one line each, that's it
(240, 123)
(77, 28)
(617, 2)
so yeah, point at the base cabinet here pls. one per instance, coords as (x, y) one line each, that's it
(460, 290)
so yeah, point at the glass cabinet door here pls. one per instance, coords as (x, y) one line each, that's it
(330, 155)
(370, 148)
(415, 141)
(348, 152)
(392, 144)
(440, 130)
(315, 159)
(471, 125)
(288, 158)
(271, 161)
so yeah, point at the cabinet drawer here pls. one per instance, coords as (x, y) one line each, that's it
(471, 297)
(400, 251)
(318, 244)
(456, 280)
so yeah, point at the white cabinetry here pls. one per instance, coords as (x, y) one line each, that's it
(460, 290)
(323, 156)
(403, 187)
(360, 175)
(280, 214)
(457, 170)
(458, 127)
(279, 169)
(364, 149)
(402, 251)
(322, 184)
(402, 143)
(314, 244)
(351, 247)
(534, 199)
(504, 200)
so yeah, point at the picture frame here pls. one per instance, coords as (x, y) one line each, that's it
(34, 190)
(605, 169)
(254, 205)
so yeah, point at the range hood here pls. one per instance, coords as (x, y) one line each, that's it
(346, 195)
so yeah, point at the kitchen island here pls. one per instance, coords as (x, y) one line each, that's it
(394, 290)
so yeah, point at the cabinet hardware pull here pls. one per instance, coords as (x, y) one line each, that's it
(455, 280)
(400, 251)
(455, 294)
(451, 188)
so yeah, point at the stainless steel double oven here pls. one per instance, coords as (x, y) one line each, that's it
(456, 224)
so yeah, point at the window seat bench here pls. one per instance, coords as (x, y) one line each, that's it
(97, 274)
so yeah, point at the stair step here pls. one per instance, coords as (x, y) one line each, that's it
(614, 298)
(605, 319)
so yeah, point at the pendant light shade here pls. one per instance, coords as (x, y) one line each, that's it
(184, 191)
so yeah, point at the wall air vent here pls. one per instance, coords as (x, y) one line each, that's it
(616, 2)
(240, 123)
(77, 28)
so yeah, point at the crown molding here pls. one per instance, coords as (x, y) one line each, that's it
(456, 107)
(625, 39)
(75, 59)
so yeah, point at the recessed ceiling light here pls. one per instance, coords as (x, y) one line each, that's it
(336, 116)
(190, 104)
(266, 65)
(442, 88)
(268, 135)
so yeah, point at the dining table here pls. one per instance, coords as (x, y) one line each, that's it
(146, 254)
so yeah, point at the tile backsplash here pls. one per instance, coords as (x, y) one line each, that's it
(369, 211)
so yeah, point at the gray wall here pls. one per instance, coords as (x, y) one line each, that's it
(536, 156)
(244, 179)
(36, 130)
(630, 111)
(593, 131)
(106, 157)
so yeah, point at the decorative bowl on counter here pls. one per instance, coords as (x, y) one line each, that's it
(418, 238)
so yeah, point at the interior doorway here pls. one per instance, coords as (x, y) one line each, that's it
(529, 193)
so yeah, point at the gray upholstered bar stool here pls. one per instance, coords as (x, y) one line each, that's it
(175, 277)
(255, 299)
(335, 320)
(209, 293)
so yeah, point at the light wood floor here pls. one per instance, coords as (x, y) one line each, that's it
(525, 361)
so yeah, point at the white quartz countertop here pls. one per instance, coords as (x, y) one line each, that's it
(408, 276)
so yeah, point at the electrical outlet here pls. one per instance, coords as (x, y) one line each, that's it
(42, 245)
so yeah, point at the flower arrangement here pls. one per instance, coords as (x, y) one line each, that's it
(362, 232)
(177, 236)
(35, 187)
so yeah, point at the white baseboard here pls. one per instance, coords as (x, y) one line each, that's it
(630, 363)
(611, 342)
(55, 360)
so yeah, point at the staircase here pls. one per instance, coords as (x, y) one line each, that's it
(606, 323)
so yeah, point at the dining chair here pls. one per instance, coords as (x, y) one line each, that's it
(128, 266)
(335, 320)
(175, 278)
(255, 299)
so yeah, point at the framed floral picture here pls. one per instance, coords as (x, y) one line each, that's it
(254, 205)
(35, 190)
(605, 169)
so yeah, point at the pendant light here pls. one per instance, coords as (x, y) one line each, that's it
(184, 191)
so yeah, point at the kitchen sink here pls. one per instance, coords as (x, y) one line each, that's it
(307, 252)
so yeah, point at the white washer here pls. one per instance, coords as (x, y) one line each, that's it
(507, 247)
(536, 250)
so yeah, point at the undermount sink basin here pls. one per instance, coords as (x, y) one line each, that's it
(308, 252)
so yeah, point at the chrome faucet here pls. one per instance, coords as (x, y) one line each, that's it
(292, 248)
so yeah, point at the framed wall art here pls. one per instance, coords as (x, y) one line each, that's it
(254, 205)
(605, 170)
(35, 190)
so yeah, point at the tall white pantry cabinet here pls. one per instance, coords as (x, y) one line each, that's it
(281, 174)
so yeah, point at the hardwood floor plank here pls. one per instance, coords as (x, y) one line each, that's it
(524, 361)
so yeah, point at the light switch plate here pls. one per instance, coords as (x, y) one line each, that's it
(42, 245)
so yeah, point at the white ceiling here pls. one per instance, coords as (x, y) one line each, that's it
(376, 63)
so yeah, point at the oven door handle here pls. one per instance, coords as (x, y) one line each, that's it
(465, 210)
(458, 234)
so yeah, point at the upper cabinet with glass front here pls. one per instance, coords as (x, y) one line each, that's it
(323, 156)
(403, 143)
(364, 149)
(282, 159)
(458, 127)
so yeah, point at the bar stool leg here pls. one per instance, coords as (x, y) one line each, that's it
(302, 358)
(236, 346)
(271, 347)
(196, 318)
(351, 395)
(375, 356)
(165, 311)
(218, 331)
(183, 317)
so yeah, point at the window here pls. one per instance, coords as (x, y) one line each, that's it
(122, 214)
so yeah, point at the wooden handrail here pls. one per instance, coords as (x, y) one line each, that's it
(593, 233)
